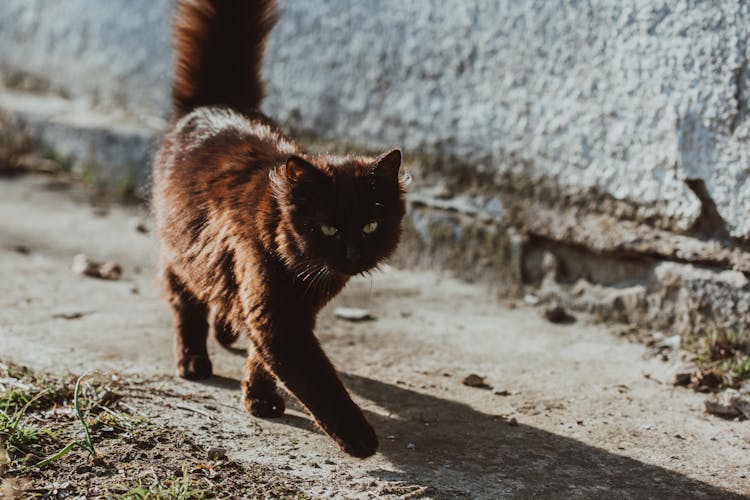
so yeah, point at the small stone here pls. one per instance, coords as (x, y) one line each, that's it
(107, 397)
(682, 378)
(105, 270)
(22, 249)
(83, 469)
(729, 404)
(411, 446)
(139, 225)
(474, 380)
(549, 265)
(673, 342)
(705, 380)
(504, 392)
(531, 299)
(217, 453)
(513, 422)
(353, 314)
(556, 313)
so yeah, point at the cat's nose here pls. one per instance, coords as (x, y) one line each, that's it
(352, 254)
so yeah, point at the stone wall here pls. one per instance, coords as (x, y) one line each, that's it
(579, 114)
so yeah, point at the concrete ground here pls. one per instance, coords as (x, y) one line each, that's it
(594, 418)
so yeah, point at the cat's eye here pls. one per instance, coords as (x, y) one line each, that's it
(370, 228)
(328, 230)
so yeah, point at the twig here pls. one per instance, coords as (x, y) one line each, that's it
(196, 410)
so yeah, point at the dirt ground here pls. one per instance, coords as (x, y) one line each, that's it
(595, 419)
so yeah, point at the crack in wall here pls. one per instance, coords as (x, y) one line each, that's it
(737, 78)
(709, 223)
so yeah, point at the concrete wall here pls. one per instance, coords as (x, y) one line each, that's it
(533, 126)
(630, 98)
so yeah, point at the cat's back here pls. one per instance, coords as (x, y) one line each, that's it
(209, 138)
(212, 163)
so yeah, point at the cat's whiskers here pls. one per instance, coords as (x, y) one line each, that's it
(303, 270)
(312, 285)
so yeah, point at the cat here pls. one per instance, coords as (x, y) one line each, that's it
(256, 234)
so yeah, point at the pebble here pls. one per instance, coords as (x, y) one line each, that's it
(139, 225)
(105, 270)
(107, 397)
(531, 299)
(216, 453)
(353, 314)
(474, 380)
(556, 313)
(411, 446)
(673, 342)
(22, 249)
(729, 404)
(513, 422)
(682, 378)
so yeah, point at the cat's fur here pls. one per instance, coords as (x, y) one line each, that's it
(240, 209)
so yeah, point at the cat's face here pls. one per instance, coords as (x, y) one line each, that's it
(343, 213)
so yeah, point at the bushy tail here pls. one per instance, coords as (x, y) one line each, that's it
(220, 45)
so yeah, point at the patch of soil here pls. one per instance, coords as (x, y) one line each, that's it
(134, 457)
(155, 461)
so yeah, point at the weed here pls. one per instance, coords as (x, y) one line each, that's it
(180, 488)
(49, 430)
(126, 186)
(722, 358)
(87, 444)
(24, 443)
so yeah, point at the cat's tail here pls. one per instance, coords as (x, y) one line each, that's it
(220, 45)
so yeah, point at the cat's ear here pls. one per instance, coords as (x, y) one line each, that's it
(294, 175)
(387, 166)
(297, 169)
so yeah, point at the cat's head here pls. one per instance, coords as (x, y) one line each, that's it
(340, 212)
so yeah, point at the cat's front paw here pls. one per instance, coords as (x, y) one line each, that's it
(356, 437)
(269, 406)
(194, 367)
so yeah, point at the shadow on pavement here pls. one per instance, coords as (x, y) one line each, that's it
(460, 452)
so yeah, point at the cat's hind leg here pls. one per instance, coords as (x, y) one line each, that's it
(190, 318)
(222, 331)
(259, 389)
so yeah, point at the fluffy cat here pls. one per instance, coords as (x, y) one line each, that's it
(256, 234)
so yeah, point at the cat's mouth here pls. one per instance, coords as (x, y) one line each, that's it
(352, 269)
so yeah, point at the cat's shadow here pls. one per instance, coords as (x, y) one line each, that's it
(458, 452)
